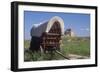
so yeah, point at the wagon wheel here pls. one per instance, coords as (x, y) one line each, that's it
(41, 50)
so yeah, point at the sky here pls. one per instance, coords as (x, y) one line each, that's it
(78, 22)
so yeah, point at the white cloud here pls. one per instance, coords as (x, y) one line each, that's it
(85, 29)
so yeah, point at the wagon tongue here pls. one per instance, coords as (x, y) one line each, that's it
(58, 52)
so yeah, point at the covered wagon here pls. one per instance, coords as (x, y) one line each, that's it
(47, 36)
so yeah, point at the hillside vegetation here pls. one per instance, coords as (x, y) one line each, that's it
(69, 45)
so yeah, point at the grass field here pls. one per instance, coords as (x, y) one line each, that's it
(75, 45)
(80, 46)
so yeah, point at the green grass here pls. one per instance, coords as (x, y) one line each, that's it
(37, 56)
(26, 44)
(79, 46)
(76, 45)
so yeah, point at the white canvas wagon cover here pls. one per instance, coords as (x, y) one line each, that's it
(46, 26)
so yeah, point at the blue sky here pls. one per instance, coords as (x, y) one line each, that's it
(78, 22)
